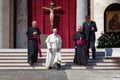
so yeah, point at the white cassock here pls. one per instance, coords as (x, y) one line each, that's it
(54, 42)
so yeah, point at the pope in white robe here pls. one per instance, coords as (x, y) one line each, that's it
(54, 44)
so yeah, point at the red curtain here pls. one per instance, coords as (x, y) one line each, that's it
(65, 18)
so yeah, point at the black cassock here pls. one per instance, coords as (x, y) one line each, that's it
(81, 53)
(32, 44)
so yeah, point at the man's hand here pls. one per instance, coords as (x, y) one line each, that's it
(93, 28)
(35, 32)
(75, 46)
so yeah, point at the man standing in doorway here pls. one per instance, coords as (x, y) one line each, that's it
(89, 28)
(33, 34)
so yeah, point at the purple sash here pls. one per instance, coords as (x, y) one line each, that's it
(80, 41)
(39, 47)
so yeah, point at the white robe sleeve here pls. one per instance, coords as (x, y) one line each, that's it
(47, 41)
(60, 42)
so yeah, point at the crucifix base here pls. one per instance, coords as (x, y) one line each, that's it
(52, 26)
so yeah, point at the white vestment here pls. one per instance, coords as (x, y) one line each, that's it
(53, 42)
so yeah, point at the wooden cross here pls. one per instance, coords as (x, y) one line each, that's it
(52, 8)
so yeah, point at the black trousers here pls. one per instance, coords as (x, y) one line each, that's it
(91, 44)
(32, 50)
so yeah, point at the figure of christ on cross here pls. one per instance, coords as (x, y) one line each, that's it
(51, 8)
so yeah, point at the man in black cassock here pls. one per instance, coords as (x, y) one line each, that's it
(33, 43)
(80, 57)
(89, 28)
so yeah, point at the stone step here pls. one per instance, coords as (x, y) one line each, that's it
(22, 57)
(64, 52)
(64, 59)
(44, 55)
(67, 68)
(45, 50)
(63, 64)
(17, 59)
(29, 67)
(104, 60)
(25, 54)
(93, 68)
(91, 61)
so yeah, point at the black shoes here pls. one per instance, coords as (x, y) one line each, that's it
(93, 57)
(49, 68)
(57, 66)
(31, 63)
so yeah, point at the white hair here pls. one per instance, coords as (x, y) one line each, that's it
(34, 21)
(54, 29)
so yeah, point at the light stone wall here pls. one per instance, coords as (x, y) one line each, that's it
(81, 12)
(98, 8)
(4, 23)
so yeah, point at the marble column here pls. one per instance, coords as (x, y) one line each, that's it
(4, 23)
(81, 12)
(21, 39)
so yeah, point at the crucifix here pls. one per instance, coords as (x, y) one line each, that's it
(51, 9)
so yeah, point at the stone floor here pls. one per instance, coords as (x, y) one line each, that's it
(93, 74)
(60, 75)
(32, 75)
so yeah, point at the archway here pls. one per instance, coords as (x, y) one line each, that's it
(112, 18)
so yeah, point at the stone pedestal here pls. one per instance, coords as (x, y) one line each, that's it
(112, 52)
(43, 38)
(21, 27)
(81, 12)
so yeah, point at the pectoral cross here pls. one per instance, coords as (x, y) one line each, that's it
(52, 8)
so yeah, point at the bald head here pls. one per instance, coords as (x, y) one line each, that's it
(79, 28)
(34, 23)
(54, 31)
